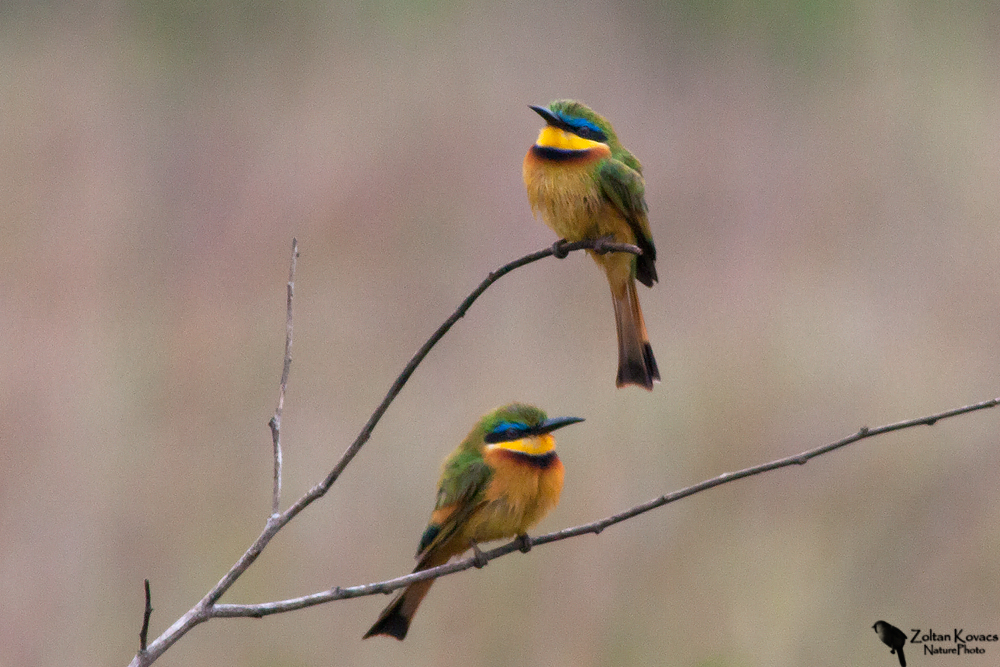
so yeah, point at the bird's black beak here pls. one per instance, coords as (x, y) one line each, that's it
(549, 117)
(550, 425)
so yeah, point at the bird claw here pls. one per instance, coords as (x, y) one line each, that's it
(559, 249)
(523, 543)
(479, 559)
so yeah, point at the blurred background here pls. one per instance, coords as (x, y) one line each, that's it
(823, 186)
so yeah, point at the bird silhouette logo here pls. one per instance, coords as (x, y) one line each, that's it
(892, 637)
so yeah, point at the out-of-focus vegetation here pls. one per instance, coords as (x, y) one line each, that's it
(823, 188)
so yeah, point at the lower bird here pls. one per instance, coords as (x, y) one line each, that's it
(502, 479)
(587, 186)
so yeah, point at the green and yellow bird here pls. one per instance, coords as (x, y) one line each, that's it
(502, 479)
(586, 186)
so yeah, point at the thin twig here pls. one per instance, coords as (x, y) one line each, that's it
(595, 527)
(205, 608)
(147, 612)
(275, 422)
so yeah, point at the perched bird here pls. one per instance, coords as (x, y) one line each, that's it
(892, 637)
(587, 186)
(502, 479)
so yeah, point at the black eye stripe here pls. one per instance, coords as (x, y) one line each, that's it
(589, 133)
(507, 432)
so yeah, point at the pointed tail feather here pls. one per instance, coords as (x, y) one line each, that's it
(394, 621)
(636, 364)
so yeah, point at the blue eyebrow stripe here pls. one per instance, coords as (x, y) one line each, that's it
(580, 122)
(506, 426)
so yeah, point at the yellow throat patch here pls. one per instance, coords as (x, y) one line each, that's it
(553, 137)
(533, 446)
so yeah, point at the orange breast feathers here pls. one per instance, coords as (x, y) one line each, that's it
(522, 490)
(566, 194)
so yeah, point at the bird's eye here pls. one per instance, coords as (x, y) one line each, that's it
(588, 132)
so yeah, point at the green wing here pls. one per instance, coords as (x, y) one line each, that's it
(462, 485)
(625, 189)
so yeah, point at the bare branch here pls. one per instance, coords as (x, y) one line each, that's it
(206, 607)
(275, 422)
(144, 632)
(595, 527)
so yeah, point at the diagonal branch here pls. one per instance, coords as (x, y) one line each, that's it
(595, 527)
(206, 607)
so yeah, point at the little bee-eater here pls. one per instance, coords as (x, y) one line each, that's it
(587, 186)
(502, 479)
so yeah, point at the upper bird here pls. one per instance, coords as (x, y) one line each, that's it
(501, 481)
(586, 186)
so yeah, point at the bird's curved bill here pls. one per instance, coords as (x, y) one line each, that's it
(550, 425)
(549, 117)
